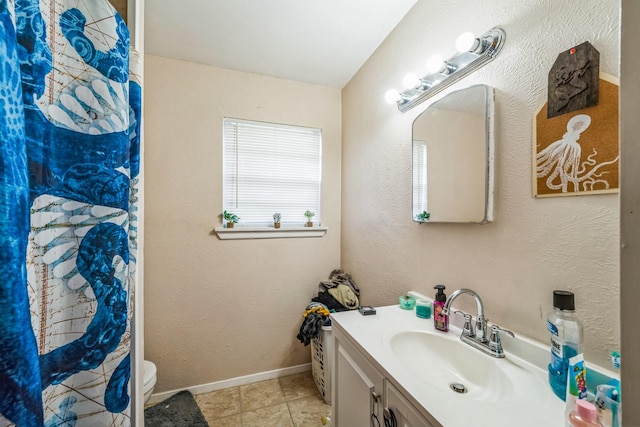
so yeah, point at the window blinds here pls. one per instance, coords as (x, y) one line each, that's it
(419, 177)
(270, 168)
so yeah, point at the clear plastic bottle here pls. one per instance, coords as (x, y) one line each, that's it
(566, 340)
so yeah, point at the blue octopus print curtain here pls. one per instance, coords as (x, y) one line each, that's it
(70, 114)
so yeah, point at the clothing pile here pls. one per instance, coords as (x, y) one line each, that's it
(339, 293)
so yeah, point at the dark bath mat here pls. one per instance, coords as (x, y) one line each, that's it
(180, 410)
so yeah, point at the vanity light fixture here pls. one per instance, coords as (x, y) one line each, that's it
(473, 53)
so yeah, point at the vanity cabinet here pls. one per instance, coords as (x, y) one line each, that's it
(406, 414)
(361, 392)
(356, 386)
(396, 361)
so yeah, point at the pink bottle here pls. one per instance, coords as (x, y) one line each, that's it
(440, 321)
(585, 415)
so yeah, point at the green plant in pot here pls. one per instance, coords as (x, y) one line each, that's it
(276, 220)
(309, 215)
(230, 218)
(423, 216)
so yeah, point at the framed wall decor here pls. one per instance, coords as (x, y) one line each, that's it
(577, 153)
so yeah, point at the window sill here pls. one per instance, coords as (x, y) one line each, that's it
(238, 233)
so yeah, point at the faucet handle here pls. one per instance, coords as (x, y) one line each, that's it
(495, 344)
(467, 329)
(481, 329)
(496, 328)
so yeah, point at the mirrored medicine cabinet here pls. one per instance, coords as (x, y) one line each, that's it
(452, 177)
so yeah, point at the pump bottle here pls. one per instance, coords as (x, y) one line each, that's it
(566, 340)
(440, 321)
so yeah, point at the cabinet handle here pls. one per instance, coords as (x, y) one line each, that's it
(389, 417)
(374, 409)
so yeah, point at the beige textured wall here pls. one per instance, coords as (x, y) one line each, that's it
(534, 245)
(121, 7)
(216, 309)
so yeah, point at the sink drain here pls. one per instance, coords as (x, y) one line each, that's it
(458, 388)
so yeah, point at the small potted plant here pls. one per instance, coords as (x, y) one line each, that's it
(309, 215)
(423, 216)
(276, 220)
(230, 218)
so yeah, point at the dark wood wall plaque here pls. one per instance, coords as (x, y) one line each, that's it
(573, 80)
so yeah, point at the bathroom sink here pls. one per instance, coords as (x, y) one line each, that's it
(445, 362)
(422, 363)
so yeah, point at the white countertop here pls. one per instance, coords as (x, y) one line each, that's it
(533, 404)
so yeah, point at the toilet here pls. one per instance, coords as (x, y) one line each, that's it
(149, 371)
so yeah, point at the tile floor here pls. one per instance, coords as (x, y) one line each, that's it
(291, 401)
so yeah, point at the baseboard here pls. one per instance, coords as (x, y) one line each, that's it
(232, 382)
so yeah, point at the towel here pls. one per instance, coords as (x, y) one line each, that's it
(345, 296)
(339, 277)
(329, 301)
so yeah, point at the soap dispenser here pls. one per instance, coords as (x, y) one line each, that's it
(440, 321)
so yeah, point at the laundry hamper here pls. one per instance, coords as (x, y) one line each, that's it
(321, 349)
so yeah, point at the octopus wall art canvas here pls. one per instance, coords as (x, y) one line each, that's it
(577, 153)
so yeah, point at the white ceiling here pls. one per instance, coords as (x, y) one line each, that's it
(323, 42)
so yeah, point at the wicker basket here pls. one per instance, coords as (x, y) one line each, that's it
(321, 349)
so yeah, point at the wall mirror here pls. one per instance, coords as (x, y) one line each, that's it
(453, 158)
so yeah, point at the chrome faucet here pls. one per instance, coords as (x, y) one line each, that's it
(477, 338)
(481, 321)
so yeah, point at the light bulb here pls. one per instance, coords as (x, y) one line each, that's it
(411, 81)
(435, 64)
(465, 42)
(392, 96)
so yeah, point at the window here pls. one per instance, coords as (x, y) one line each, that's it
(269, 168)
(419, 177)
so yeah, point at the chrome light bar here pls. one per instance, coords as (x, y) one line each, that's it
(482, 51)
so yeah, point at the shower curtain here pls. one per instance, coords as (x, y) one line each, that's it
(70, 114)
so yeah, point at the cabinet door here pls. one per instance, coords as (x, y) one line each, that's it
(405, 413)
(354, 393)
